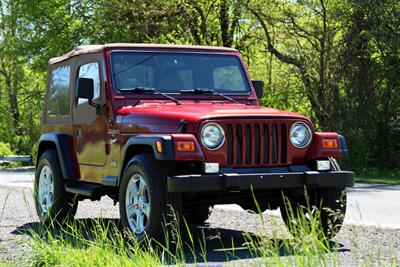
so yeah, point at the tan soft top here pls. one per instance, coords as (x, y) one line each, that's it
(84, 49)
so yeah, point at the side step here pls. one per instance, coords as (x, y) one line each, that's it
(84, 189)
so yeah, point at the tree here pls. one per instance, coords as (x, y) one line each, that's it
(308, 32)
(336, 61)
(10, 61)
(369, 70)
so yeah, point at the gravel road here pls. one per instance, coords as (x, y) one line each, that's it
(356, 243)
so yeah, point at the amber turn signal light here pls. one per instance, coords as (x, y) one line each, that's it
(159, 146)
(185, 146)
(330, 143)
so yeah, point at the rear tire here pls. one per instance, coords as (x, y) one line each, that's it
(54, 205)
(331, 203)
(144, 203)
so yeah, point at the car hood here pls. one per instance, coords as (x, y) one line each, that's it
(201, 111)
(152, 117)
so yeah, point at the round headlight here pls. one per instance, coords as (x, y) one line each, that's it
(300, 135)
(212, 136)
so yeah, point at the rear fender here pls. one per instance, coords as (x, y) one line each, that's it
(64, 145)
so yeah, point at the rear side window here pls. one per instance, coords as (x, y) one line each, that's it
(59, 99)
(90, 70)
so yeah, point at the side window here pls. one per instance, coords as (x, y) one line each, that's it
(59, 102)
(228, 78)
(90, 70)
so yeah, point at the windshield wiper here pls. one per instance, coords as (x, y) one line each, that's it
(150, 90)
(208, 91)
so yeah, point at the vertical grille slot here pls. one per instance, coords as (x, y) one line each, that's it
(230, 144)
(283, 143)
(274, 144)
(239, 144)
(248, 144)
(257, 144)
(266, 144)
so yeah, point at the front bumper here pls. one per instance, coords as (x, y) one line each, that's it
(226, 182)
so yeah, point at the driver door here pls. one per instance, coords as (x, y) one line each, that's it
(90, 129)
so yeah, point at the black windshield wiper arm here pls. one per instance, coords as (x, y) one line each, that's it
(150, 90)
(208, 91)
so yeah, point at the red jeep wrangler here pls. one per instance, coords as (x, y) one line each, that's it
(153, 125)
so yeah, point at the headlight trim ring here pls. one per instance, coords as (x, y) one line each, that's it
(308, 130)
(221, 131)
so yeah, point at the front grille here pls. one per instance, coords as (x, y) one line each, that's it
(256, 144)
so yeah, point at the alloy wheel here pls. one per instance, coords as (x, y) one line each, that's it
(137, 204)
(45, 190)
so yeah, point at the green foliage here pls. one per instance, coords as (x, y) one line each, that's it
(80, 244)
(99, 242)
(5, 149)
(376, 176)
(335, 61)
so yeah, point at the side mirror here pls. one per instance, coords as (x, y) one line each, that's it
(258, 86)
(85, 88)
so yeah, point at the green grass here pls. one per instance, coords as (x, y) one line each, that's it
(378, 180)
(99, 242)
(96, 244)
(378, 177)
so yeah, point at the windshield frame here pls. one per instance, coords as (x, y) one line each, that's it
(244, 74)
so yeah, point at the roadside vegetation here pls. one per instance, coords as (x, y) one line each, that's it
(371, 179)
(102, 240)
(99, 242)
(376, 176)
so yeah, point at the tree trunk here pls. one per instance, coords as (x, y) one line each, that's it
(12, 99)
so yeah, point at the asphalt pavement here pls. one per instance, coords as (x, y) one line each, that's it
(367, 204)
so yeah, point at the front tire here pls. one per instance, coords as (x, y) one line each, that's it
(331, 206)
(54, 205)
(330, 202)
(144, 202)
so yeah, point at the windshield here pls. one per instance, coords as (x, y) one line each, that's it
(173, 72)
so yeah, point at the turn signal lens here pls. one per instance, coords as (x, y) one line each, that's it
(330, 143)
(185, 146)
(159, 146)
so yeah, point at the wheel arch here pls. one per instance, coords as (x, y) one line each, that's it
(64, 146)
(142, 144)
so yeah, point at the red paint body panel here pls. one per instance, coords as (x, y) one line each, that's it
(194, 111)
(318, 151)
(197, 155)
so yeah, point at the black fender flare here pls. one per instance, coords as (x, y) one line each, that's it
(64, 144)
(150, 141)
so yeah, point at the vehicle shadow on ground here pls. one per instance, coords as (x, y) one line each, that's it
(210, 244)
